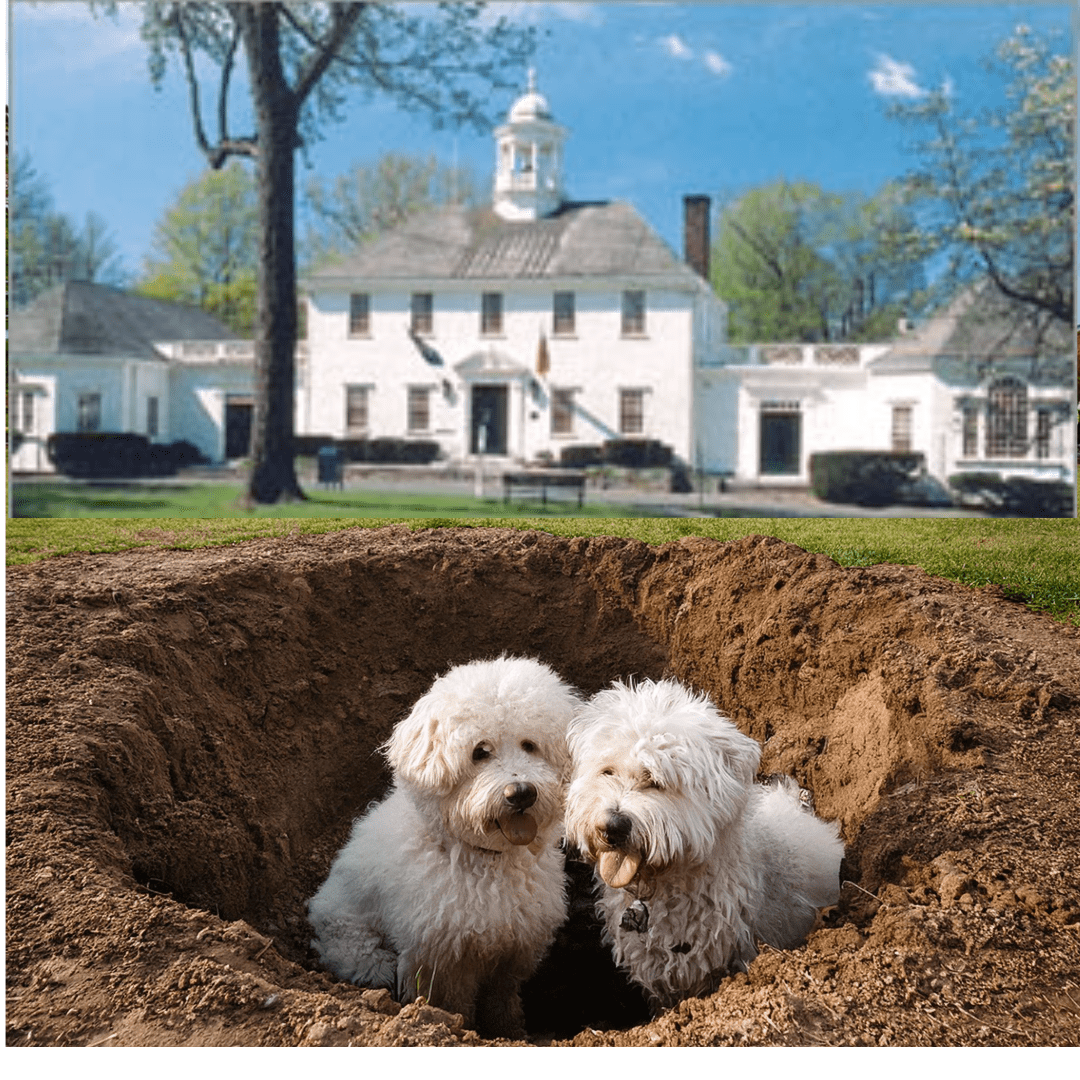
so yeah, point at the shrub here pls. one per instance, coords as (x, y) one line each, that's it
(402, 451)
(862, 477)
(1016, 495)
(104, 454)
(580, 457)
(637, 453)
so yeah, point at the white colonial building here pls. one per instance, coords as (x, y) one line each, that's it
(512, 331)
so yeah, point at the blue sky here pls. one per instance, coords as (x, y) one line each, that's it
(661, 99)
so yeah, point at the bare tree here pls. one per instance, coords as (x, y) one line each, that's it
(302, 60)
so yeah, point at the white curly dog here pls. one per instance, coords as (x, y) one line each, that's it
(696, 862)
(452, 888)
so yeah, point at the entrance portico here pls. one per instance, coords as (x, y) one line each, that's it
(496, 393)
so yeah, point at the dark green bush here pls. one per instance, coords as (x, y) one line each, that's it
(862, 477)
(1016, 495)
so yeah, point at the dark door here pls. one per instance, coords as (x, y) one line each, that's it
(489, 408)
(237, 429)
(780, 444)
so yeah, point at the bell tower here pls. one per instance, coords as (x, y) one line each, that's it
(528, 159)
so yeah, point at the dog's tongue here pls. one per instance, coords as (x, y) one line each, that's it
(519, 829)
(618, 868)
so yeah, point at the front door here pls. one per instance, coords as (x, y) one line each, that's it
(780, 444)
(489, 413)
(238, 427)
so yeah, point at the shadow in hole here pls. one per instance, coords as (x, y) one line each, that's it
(578, 986)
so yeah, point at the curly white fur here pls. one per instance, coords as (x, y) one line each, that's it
(695, 861)
(453, 886)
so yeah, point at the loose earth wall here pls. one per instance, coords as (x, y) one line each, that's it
(191, 733)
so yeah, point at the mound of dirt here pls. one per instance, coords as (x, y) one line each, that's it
(191, 734)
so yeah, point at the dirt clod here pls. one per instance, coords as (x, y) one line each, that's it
(189, 735)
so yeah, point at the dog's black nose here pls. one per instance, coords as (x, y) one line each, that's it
(616, 830)
(520, 795)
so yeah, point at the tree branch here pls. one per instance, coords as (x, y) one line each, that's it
(344, 18)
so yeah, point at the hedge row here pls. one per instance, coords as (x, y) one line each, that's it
(374, 451)
(105, 454)
(621, 453)
(862, 477)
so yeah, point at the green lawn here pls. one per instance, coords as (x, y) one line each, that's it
(51, 499)
(1036, 561)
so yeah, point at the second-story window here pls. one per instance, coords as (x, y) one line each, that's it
(633, 312)
(423, 306)
(562, 314)
(359, 314)
(491, 313)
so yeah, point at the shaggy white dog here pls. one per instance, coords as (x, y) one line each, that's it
(696, 861)
(452, 888)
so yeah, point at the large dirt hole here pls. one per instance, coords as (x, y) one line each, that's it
(229, 703)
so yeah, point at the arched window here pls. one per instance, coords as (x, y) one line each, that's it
(1007, 420)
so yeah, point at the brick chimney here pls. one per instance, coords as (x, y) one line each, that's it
(696, 233)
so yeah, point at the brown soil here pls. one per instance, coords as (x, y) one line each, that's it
(190, 734)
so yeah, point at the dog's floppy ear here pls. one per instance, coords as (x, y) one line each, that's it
(734, 762)
(421, 750)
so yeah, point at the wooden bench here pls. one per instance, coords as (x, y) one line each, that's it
(533, 480)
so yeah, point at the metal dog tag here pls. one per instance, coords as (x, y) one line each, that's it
(635, 917)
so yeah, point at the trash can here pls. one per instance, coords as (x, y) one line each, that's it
(330, 465)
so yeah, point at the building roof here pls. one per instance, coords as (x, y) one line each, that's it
(83, 318)
(580, 240)
(981, 324)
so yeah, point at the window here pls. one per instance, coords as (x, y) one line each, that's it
(631, 412)
(491, 313)
(89, 412)
(1006, 419)
(422, 308)
(901, 429)
(562, 412)
(359, 314)
(151, 416)
(1042, 433)
(356, 409)
(24, 413)
(633, 311)
(562, 314)
(419, 408)
(971, 431)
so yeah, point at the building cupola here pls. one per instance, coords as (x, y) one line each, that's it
(528, 162)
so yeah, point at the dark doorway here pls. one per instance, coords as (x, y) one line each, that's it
(238, 427)
(489, 409)
(780, 443)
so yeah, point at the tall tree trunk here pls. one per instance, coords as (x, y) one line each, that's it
(273, 475)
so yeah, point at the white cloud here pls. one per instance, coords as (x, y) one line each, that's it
(674, 45)
(893, 78)
(717, 64)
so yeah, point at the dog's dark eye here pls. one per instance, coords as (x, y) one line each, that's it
(528, 747)
(480, 753)
(607, 772)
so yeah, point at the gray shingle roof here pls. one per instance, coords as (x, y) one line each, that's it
(580, 240)
(981, 322)
(96, 320)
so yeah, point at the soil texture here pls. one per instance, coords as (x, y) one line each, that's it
(190, 734)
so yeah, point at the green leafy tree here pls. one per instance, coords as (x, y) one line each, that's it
(370, 199)
(46, 247)
(205, 247)
(797, 263)
(993, 195)
(302, 60)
